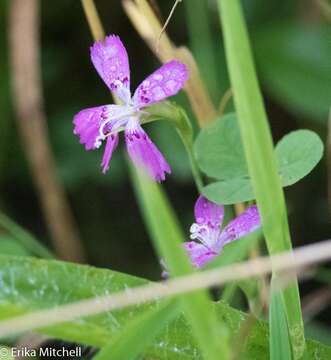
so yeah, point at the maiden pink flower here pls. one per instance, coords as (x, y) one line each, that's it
(206, 232)
(94, 125)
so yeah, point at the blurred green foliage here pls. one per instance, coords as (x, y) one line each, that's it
(291, 42)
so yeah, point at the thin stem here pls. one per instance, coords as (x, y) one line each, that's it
(93, 19)
(168, 19)
(194, 166)
(24, 41)
(224, 101)
(182, 123)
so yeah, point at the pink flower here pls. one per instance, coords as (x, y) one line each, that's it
(206, 232)
(94, 125)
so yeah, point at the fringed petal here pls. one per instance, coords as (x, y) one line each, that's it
(110, 59)
(242, 225)
(209, 213)
(199, 254)
(112, 142)
(144, 153)
(164, 82)
(91, 125)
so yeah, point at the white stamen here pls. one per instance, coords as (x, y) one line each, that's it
(204, 234)
(119, 118)
(122, 92)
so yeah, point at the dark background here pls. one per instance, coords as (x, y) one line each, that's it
(292, 45)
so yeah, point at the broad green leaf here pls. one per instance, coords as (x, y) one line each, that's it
(261, 162)
(29, 284)
(139, 333)
(219, 151)
(294, 64)
(280, 348)
(298, 153)
(230, 191)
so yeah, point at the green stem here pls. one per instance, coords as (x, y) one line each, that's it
(24, 237)
(178, 116)
(259, 153)
(194, 166)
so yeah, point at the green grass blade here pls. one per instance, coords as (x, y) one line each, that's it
(24, 237)
(139, 333)
(258, 148)
(280, 348)
(167, 237)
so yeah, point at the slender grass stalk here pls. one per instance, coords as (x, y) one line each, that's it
(28, 101)
(24, 237)
(258, 147)
(280, 348)
(93, 19)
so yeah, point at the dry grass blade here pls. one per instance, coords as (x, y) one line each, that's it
(328, 156)
(93, 19)
(287, 261)
(148, 27)
(28, 102)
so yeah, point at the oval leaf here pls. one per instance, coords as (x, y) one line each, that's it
(229, 192)
(298, 153)
(219, 151)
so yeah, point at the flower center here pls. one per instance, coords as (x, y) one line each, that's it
(113, 121)
(205, 234)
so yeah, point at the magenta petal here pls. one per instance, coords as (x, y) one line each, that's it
(242, 225)
(87, 123)
(145, 154)
(199, 254)
(110, 59)
(112, 142)
(164, 82)
(209, 213)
